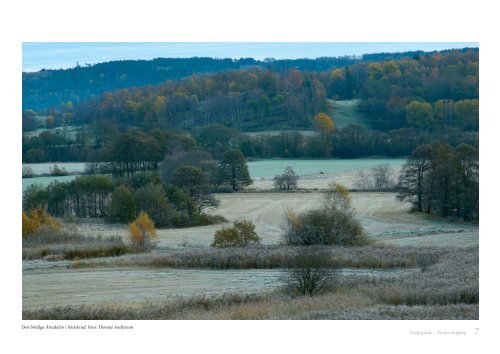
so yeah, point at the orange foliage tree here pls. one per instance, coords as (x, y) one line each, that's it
(325, 126)
(37, 218)
(142, 232)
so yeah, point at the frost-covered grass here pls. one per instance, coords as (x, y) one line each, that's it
(448, 290)
(303, 167)
(269, 257)
(69, 246)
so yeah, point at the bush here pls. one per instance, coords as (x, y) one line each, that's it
(28, 172)
(333, 224)
(310, 274)
(286, 181)
(240, 235)
(58, 171)
(37, 219)
(142, 233)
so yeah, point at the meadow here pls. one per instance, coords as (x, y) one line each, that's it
(185, 278)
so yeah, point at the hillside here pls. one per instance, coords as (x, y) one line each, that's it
(50, 88)
(47, 88)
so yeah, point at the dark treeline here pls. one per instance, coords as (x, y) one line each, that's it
(407, 55)
(351, 142)
(442, 180)
(121, 200)
(103, 141)
(121, 153)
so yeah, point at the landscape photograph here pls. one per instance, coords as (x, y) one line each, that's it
(250, 181)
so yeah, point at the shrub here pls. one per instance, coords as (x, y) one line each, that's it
(240, 235)
(332, 224)
(142, 233)
(58, 171)
(310, 273)
(326, 226)
(37, 219)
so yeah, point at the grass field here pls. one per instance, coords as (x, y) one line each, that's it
(346, 112)
(186, 279)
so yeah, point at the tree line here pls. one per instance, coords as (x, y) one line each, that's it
(117, 152)
(171, 182)
(442, 180)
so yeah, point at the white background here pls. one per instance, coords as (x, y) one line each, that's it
(257, 20)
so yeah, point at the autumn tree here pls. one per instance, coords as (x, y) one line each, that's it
(142, 233)
(36, 219)
(324, 125)
(240, 235)
(233, 170)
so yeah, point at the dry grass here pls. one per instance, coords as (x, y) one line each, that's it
(447, 290)
(270, 257)
(66, 245)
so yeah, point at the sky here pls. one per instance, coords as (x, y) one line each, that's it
(57, 55)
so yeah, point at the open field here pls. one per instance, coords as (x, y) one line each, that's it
(313, 173)
(185, 279)
(44, 167)
(449, 290)
(382, 216)
(325, 168)
(346, 112)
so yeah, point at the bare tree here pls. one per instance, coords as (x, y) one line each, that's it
(287, 180)
(310, 273)
(378, 177)
(382, 177)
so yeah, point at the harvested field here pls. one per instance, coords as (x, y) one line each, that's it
(448, 290)
(66, 287)
(383, 217)
(184, 279)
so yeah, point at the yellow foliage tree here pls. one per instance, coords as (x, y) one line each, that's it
(337, 196)
(323, 123)
(37, 218)
(242, 234)
(325, 126)
(142, 232)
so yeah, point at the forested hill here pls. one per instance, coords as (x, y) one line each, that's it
(50, 88)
